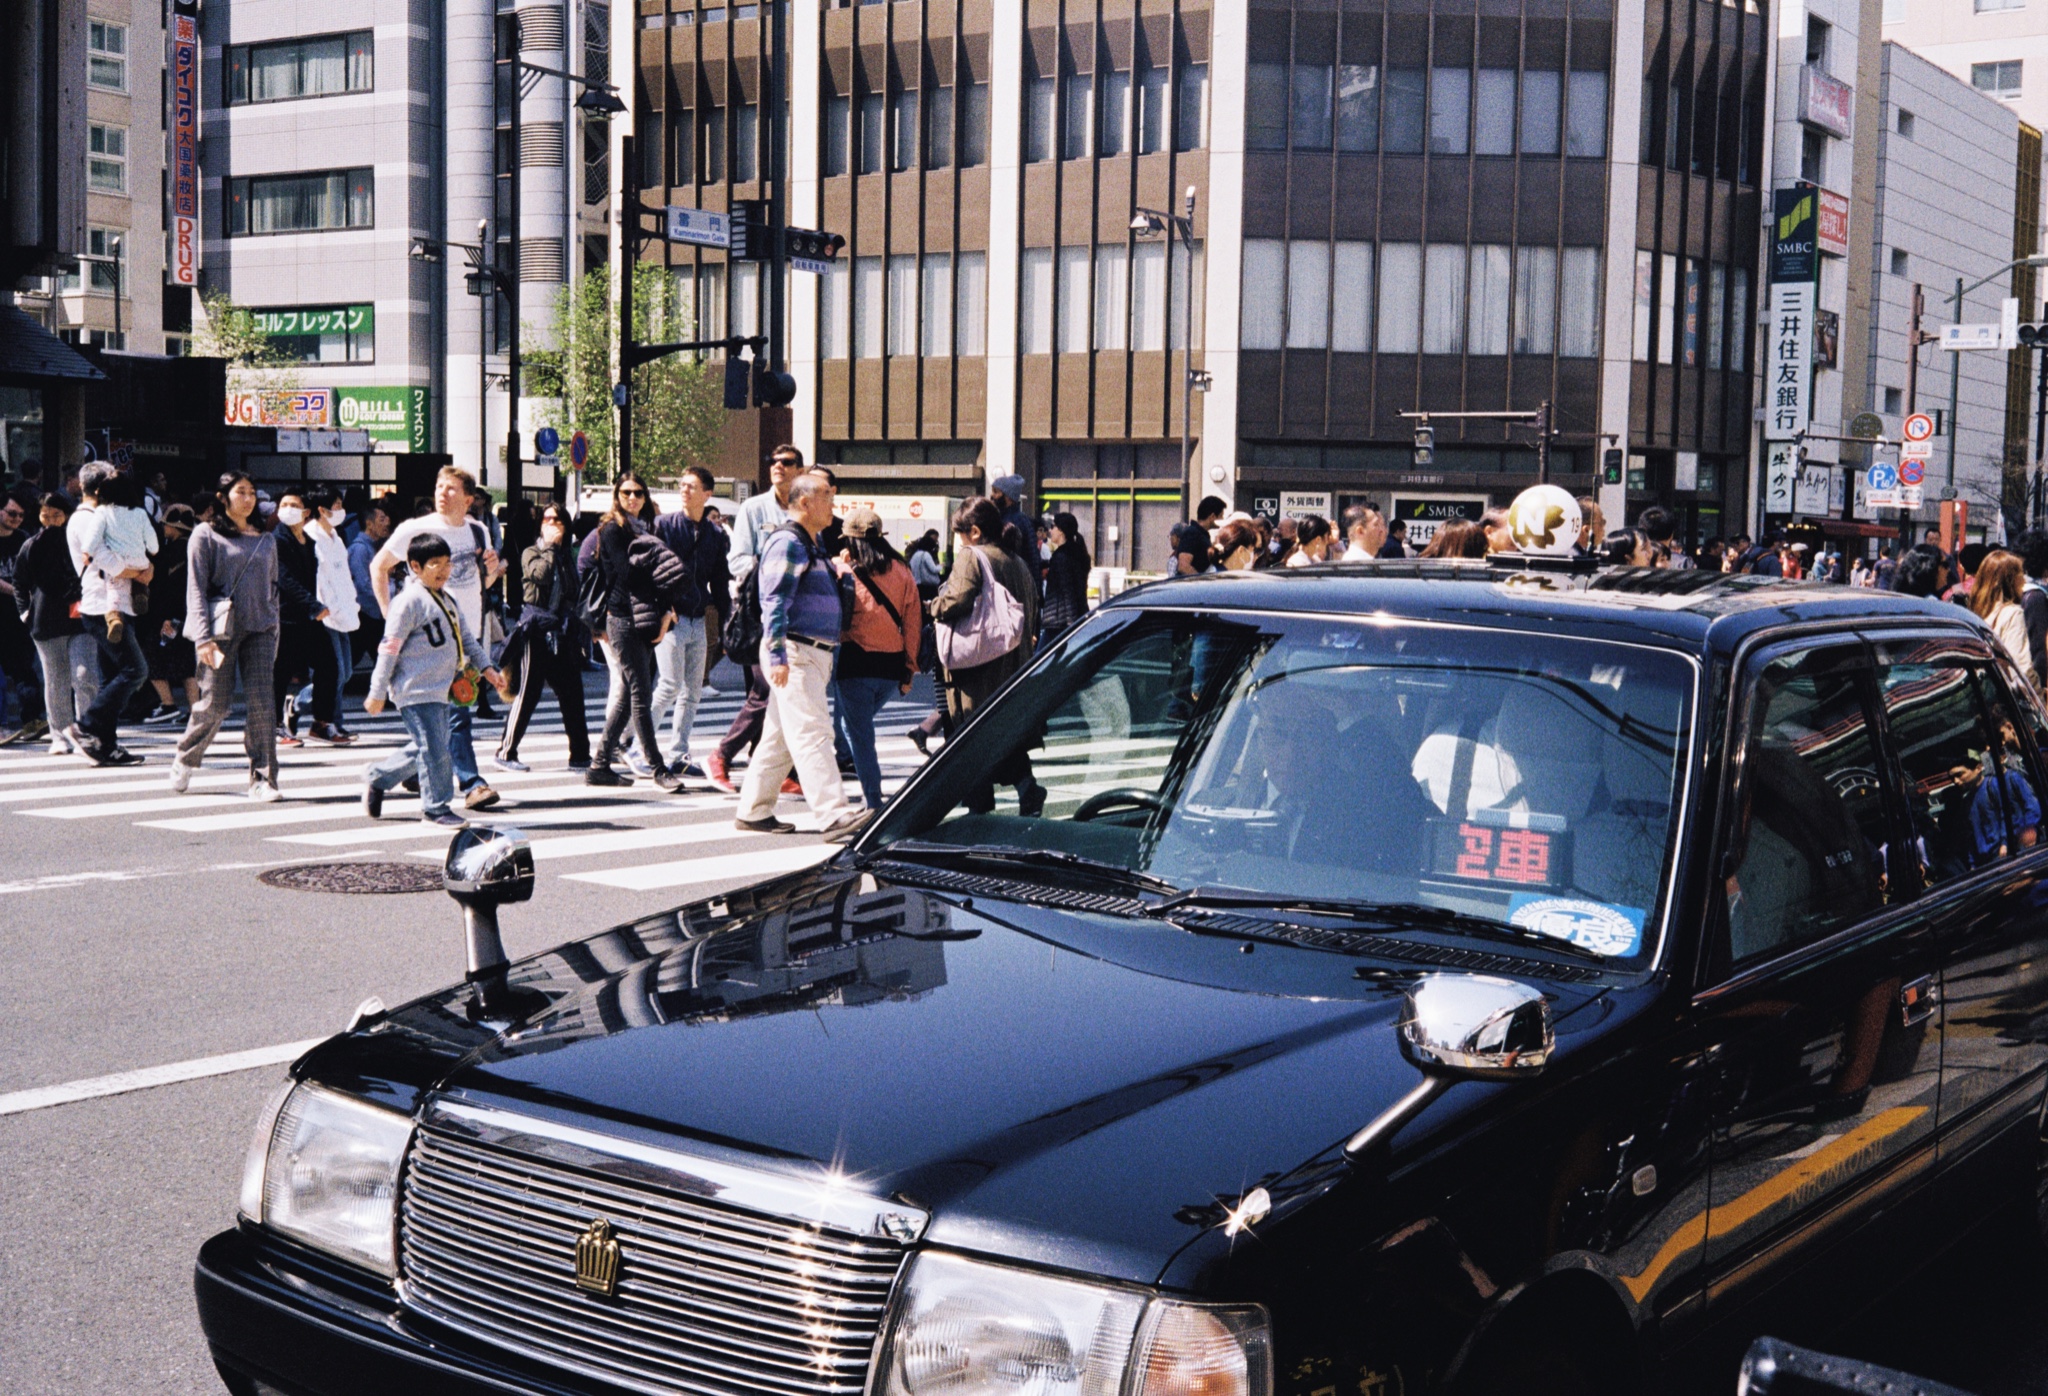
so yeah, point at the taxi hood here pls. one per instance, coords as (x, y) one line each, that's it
(1076, 1090)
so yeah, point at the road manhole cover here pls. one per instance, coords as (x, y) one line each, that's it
(355, 879)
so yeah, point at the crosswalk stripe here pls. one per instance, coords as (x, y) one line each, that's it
(534, 818)
(689, 872)
(719, 830)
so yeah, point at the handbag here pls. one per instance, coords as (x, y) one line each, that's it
(222, 607)
(992, 629)
(468, 683)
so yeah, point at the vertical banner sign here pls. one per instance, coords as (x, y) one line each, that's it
(1795, 268)
(185, 227)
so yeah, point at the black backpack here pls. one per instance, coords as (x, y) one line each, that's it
(741, 634)
(590, 595)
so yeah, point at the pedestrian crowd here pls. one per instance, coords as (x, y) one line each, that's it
(133, 608)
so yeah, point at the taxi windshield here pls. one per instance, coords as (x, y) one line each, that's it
(1529, 780)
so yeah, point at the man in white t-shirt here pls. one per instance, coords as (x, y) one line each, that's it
(474, 565)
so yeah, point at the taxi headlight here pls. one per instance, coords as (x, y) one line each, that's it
(323, 1170)
(966, 1328)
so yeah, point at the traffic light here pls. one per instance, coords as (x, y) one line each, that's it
(1610, 467)
(2032, 336)
(772, 389)
(736, 374)
(1425, 444)
(821, 249)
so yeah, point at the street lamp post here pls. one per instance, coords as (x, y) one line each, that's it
(1150, 223)
(482, 277)
(1955, 376)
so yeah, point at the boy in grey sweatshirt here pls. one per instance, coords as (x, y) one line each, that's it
(426, 643)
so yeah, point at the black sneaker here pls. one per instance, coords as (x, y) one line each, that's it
(770, 825)
(605, 775)
(119, 756)
(291, 715)
(373, 801)
(161, 714)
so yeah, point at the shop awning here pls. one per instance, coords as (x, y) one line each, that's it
(1849, 528)
(30, 356)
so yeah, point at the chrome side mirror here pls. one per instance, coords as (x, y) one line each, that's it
(487, 868)
(1462, 1027)
(1476, 1025)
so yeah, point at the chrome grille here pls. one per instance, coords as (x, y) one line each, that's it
(711, 1299)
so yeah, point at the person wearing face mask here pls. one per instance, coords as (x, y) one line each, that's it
(335, 590)
(304, 653)
(547, 644)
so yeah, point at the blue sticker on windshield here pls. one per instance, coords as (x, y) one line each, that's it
(1596, 926)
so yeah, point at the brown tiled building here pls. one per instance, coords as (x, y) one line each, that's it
(1411, 205)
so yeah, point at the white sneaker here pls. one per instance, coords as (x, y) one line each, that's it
(59, 747)
(264, 793)
(181, 778)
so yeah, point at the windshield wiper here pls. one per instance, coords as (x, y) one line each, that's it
(1016, 856)
(1398, 916)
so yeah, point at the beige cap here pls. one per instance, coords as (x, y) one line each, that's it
(863, 522)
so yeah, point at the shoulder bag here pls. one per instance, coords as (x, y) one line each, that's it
(991, 630)
(468, 682)
(223, 605)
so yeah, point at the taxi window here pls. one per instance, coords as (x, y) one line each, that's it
(1808, 847)
(1971, 799)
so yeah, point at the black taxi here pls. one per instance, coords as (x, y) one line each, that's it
(1465, 976)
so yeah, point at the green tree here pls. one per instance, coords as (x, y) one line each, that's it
(678, 400)
(255, 363)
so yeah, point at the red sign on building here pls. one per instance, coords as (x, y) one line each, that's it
(1834, 223)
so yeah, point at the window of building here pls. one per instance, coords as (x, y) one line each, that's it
(322, 334)
(1739, 316)
(1073, 309)
(1585, 131)
(1818, 35)
(1152, 118)
(938, 128)
(1987, 6)
(1077, 135)
(974, 125)
(2000, 79)
(1112, 295)
(1149, 309)
(1191, 107)
(867, 307)
(1308, 295)
(1040, 118)
(903, 132)
(1542, 103)
(838, 132)
(1900, 261)
(1667, 306)
(651, 171)
(711, 126)
(106, 55)
(106, 159)
(902, 308)
(1535, 300)
(1266, 106)
(1493, 125)
(1114, 128)
(746, 143)
(1180, 304)
(1905, 123)
(1034, 301)
(1645, 298)
(835, 312)
(302, 203)
(1400, 288)
(873, 120)
(1351, 306)
(1310, 106)
(1358, 106)
(1488, 303)
(293, 68)
(1704, 107)
(1443, 298)
(1894, 402)
(1728, 135)
(935, 335)
(1578, 300)
(1813, 156)
(1717, 308)
(1674, 126)
(1262, 323)
(1406, 119)
(746, 315)
(101, 276)
(970, 303)
(1450, 111)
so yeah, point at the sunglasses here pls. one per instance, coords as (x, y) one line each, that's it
(632, 494)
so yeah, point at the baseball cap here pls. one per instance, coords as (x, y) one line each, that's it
(863, 523)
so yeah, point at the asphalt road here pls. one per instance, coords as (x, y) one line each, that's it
(136, 933)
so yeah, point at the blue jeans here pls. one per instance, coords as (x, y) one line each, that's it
(425, 754)
(461, 750)
(679, 663)
(131, 671)
(853, 715)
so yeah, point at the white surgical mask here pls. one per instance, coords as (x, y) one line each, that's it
(1045, 551)
(291, 515)
(336, 517)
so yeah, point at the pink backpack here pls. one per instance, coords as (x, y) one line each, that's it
(991, 630)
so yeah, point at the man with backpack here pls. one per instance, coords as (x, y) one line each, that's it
(473, 566)
(758, 519)
(801, 618)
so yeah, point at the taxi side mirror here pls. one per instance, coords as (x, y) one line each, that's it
(485, 869)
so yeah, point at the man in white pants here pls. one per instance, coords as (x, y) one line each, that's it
(799, 637)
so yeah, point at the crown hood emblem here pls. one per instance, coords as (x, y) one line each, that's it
(597, 1259)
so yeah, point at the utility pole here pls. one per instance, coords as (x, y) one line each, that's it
(1955, 383)
(509, 30)
(1149, 223)
(629, 262)
(1543, 443)
(776, 103)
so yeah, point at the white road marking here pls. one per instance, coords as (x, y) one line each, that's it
(398, 832)
(121, 1082)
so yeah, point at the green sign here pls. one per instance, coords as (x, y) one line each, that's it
(398, 419)
(331, 319)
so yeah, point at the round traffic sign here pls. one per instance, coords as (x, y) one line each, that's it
(1883, 476)
(1912, 471)
(1867, 425)
(547, 441)
(1919, 427)
(579, 449)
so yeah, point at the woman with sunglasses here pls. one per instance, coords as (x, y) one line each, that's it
(637, 615)
(547, 644)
